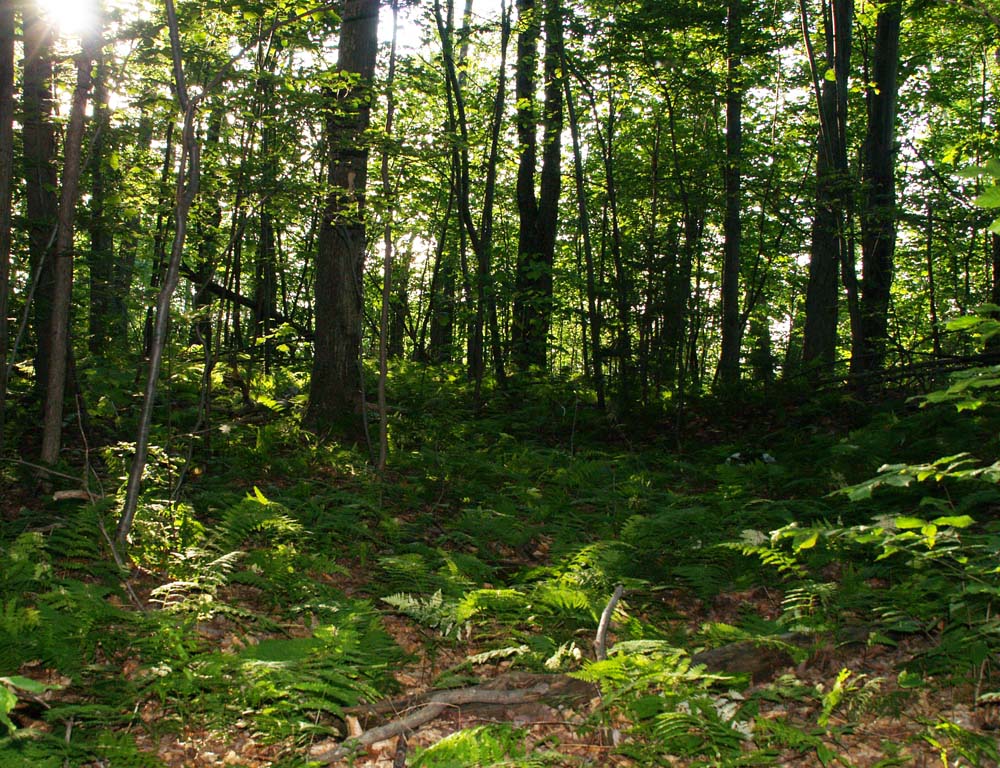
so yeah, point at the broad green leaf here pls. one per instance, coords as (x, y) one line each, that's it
(7, 703)
(955, 521)
(990, 198)
(963, 322)
(26, 684)
(972, 172)
(903, 522)
(808, 542)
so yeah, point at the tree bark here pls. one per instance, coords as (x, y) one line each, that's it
(833, 185)
(878, 216)
(186, 191)
(40, 175)
(336, 397)
(106, 304)
(538, 212)
(6, 186)
(55, 385)
(729, 362)
(383, 349)
(583, 222)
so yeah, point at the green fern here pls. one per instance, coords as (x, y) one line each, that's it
(435, 612)
(485, 746)
(779, 732)
(255, 522)
(695, 728)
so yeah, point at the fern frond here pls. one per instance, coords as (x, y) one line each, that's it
(435, 611)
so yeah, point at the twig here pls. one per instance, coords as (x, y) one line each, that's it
(40, 468)
(399, 761)
(600, 642)
(120, 561)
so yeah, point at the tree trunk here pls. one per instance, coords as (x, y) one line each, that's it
(729, 362)
(583, 222)
(40, 176)
(6, 178)
(878, 216)
(336, 397)
(186, 190)
(538, 213)
(106, 305)
(383, 347)
(833, 185)
(55, 385)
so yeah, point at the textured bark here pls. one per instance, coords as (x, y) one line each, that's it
(6, 178)
(729, 362)
(878, 216)
(40, 175)
(336, 397)
(833, 187)
(55, 384)
(107, 308)
(538, 212)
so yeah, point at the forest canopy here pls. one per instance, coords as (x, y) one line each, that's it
(660, 199)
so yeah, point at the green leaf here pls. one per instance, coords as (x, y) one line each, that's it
(26, 684)
(955, 521)
(830, 75)
(990, 198)
(903, 522)
(808, 542)
(260, 496)
(972, 172)
(7, 703)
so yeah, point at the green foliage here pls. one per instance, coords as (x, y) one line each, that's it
(485, 745)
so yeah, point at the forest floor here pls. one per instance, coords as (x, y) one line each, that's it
(448, 613)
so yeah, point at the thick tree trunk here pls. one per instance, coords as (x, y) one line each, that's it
(336, 397)
(729, 362)
(833, 186)
(878, 217)
(40, 174)
(6, 179)
(538, 213)
(55, 385)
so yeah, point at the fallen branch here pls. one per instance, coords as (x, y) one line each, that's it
(436, 703)
(601, 641)
(548, 686)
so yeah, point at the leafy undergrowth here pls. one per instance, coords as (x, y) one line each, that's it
(786, 601)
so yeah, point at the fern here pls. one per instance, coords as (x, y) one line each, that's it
(256, 522)
(434, 612)
(485, 746)
(696, 729)
(204, 575)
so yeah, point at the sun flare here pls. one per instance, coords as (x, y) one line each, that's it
(70, 17)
